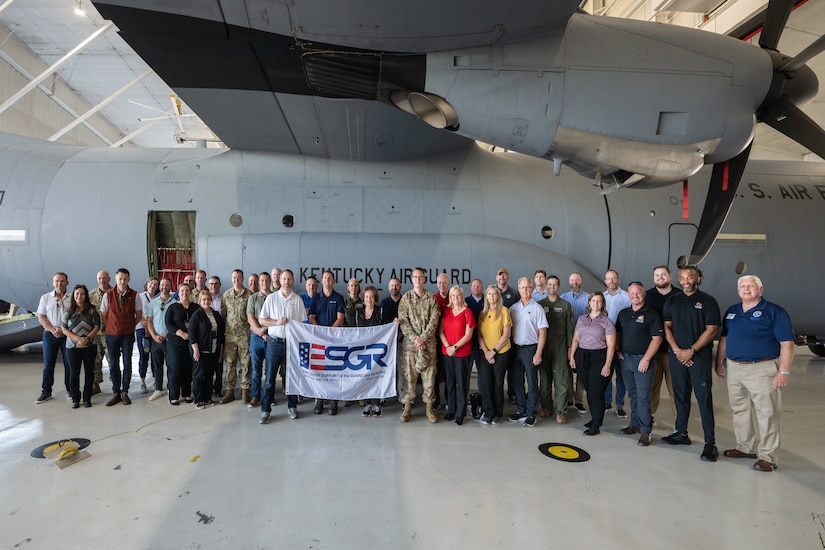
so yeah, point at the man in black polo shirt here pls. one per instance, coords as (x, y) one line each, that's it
(691, 321)
(656, 297)
(639, 330)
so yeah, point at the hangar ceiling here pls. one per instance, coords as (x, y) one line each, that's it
(139, 110)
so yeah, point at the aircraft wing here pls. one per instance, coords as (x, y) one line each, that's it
(313, 77)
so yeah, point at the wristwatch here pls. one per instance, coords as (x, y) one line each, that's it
(495, 350)
(693, 350)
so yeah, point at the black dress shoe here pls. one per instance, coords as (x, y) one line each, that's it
(449, 417)
(459, 421)
(590, 431)
(87, 404)
(75, 405)
(588, 424)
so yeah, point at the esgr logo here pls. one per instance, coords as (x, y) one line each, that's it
(321, 357)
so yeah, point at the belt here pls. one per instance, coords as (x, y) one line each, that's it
(751, 362)
(525, 345)
(278, 340)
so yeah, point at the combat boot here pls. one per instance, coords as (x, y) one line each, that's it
(228, 397)
(245, 395)
(405, 416)
(431, 413)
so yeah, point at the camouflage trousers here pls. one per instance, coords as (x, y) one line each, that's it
(102, 351)
(415, 363)
(236, 350)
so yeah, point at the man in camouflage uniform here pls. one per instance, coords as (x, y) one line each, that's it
(418, 315)
(96, 297)
(236, 345)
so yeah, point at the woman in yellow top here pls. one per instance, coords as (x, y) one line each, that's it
(494, 326)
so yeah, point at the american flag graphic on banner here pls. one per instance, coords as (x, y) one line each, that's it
(312, 356)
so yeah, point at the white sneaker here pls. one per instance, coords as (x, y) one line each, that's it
(264, 418)
(157, 395)
(293, 413)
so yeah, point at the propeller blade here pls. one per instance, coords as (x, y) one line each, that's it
(789, 119)
(776, 15)
(804, 56)
(723, 185)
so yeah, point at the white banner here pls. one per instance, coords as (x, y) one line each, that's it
(341, 363)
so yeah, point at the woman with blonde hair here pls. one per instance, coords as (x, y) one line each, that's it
(494, 327)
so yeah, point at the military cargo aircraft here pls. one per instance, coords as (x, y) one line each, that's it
(353, 129)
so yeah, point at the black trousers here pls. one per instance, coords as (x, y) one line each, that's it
(202, 372)
(589, 364)
(81, 357)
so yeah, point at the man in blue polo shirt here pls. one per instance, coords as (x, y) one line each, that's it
(758, 342)
(327, 309)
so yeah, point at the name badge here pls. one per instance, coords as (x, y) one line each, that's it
(731, 316)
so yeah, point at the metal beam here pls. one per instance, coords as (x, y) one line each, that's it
(79, 120)
(124, 139)
(48, 72)
(6, 4)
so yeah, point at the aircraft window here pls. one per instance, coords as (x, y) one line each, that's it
(547, 232)
(652, 213)
(288, 220)
(741, 268)
(235, 220)
(12, 235)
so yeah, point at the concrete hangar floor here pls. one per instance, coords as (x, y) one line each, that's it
(176, 477)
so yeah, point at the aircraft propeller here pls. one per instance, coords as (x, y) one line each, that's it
(793, 84)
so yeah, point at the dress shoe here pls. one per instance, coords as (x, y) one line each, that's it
(95, 388)
(630, 430)
(449, 417)
(319, 406)
(736, 453)
(75, 405)
(114, 400)
(228, 397)
(588, 424)
(333, 408)
(644, 440)
(459, 420)
(764, 466)
(254, 402)
(124, 397)
(590, 431)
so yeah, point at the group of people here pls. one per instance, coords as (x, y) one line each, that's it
(560, 346)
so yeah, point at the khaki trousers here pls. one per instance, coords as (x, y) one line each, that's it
(751, 395)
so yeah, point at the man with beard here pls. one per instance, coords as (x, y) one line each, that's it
(656, 298)
(691, 321)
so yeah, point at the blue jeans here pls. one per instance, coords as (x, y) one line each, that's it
(620, 386)
(638, 386)
(257, 349)
(275, 353)
(523, 367)
(117, 346)
(51, 346)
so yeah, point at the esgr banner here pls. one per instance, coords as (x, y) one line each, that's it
(341, 363)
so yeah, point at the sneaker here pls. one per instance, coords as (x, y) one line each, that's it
(677, 439)
(483, 419)
(157, 394)
(620, 413)
(376, 411)
(517, 417)
(367, 412)
(264, 418)
(495, 420)
(569, 404)
(293, 412)
(608, 407)
(561, 419)
(580, 408)
(143, 388)
(530, 421)
(710, 453)
(43, 398)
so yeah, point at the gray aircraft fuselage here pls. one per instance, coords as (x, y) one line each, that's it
(467, 213)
